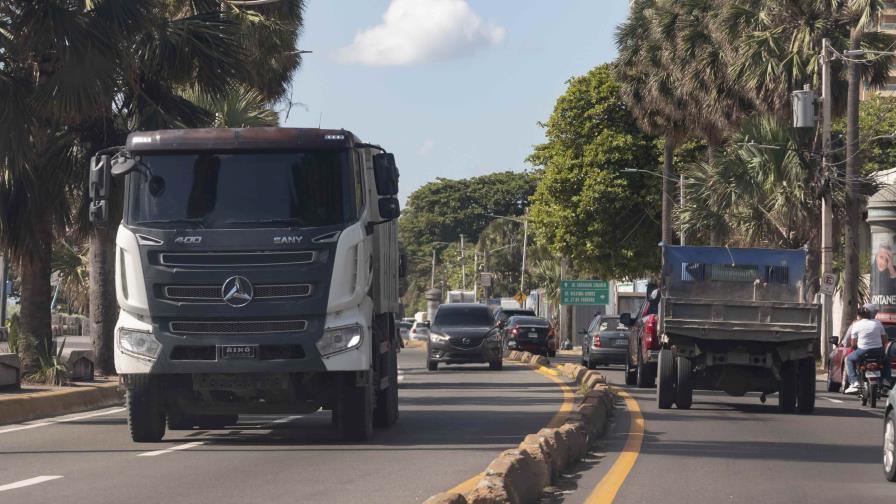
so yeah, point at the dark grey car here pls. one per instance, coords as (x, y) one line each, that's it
(605, 342)
(463, 333)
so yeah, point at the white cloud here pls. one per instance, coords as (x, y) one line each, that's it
(419, 31)
(427, 147)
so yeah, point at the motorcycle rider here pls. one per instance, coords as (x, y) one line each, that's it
(867, 336)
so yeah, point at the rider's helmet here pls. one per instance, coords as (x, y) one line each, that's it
(868, 311)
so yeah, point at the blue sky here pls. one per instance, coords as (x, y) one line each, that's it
(454, 88)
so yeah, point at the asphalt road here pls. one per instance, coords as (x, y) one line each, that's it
(453, 422)
(738, 450)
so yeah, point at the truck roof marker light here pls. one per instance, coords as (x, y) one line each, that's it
(141, 139)
(334, 137)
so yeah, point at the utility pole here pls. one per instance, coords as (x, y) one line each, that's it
(432, 276)
(827, 237)
(681, 205)
(475, 275)
(525, 239)
(463, 266)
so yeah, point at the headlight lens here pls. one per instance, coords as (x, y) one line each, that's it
(439, 338)
(339, 339)
(139, 343)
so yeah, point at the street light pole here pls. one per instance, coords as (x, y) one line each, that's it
(827, 238)
(463, 266)
(432, 276)
(523, 268)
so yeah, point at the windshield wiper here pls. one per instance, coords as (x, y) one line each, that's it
(292, 220)
(199, 221)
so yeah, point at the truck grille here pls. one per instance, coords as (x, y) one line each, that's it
(238, 326)
(218, 259)
(212, 293)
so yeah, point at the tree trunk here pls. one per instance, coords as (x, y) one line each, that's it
(851, 231)
(668, 152)
(103, 304)
(35, 328)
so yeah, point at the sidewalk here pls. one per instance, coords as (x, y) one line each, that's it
(32, 402)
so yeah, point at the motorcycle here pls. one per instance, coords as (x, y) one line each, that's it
(870, 386)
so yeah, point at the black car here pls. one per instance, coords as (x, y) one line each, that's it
(502, 314)
(463, 333)
(605, 342)
(528, 334)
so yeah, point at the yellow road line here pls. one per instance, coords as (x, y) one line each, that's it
(609, 485)
(558, 420)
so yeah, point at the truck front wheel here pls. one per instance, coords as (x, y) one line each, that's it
(665, 391)
(146, 418)
(684, 386)
(354, 413)
(806, 386)
(787, 390)
(386, 413)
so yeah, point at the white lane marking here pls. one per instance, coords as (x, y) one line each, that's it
(185, 446)
(400, 375)
(58, 420)
(286, 419)
(28, 482)
(838, 401)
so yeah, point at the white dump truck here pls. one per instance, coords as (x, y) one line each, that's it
(257, 273)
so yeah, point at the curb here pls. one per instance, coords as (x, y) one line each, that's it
(31, 406)
(519, 475)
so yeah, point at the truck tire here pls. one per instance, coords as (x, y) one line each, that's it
(216, 422)
(787, 389)
(178, 420)
(665, 390)
(146, 418)
(644, 375)
(805, 388)
(386, 412)
(684, 384)
(631, 375)
(355, 411)
(496, 365)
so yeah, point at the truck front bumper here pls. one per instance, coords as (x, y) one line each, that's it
(282, 352)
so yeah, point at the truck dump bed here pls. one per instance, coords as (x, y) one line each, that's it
(718, 293)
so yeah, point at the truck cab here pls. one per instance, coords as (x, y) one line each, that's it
(257, 272)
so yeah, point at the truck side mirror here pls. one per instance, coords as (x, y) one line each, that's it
(834, 340)
(385, 173)
(99, 213)
(100, 177)
(626, 319)
(389, 208)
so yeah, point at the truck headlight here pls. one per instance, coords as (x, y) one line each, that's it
(138, 343)
(439, 338)
(339, 339)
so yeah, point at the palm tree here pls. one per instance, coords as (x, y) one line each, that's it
(204, 63)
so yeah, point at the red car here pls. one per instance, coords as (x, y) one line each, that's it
(836, 366)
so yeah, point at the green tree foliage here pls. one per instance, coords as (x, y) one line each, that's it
(585, 207)
(877, 122)
(442, 210)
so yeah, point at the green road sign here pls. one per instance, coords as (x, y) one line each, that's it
(584, 292)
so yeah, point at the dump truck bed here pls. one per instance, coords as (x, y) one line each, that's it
(763, 321)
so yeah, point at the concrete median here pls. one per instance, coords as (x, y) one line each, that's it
(22, 406)
(520, 475)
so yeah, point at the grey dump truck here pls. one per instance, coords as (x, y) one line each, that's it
(736, 320)
(256, 272)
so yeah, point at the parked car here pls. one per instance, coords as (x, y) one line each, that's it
(464, 333)
(529, 334)
(420, 331)
(890, 436)
(502, 314)
(836, 365)
(644, 343)
(404, 329)
(605, 342)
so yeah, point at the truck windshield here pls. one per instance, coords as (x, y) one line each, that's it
(298, 189)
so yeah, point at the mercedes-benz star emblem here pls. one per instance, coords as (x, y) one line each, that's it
(237, 291)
